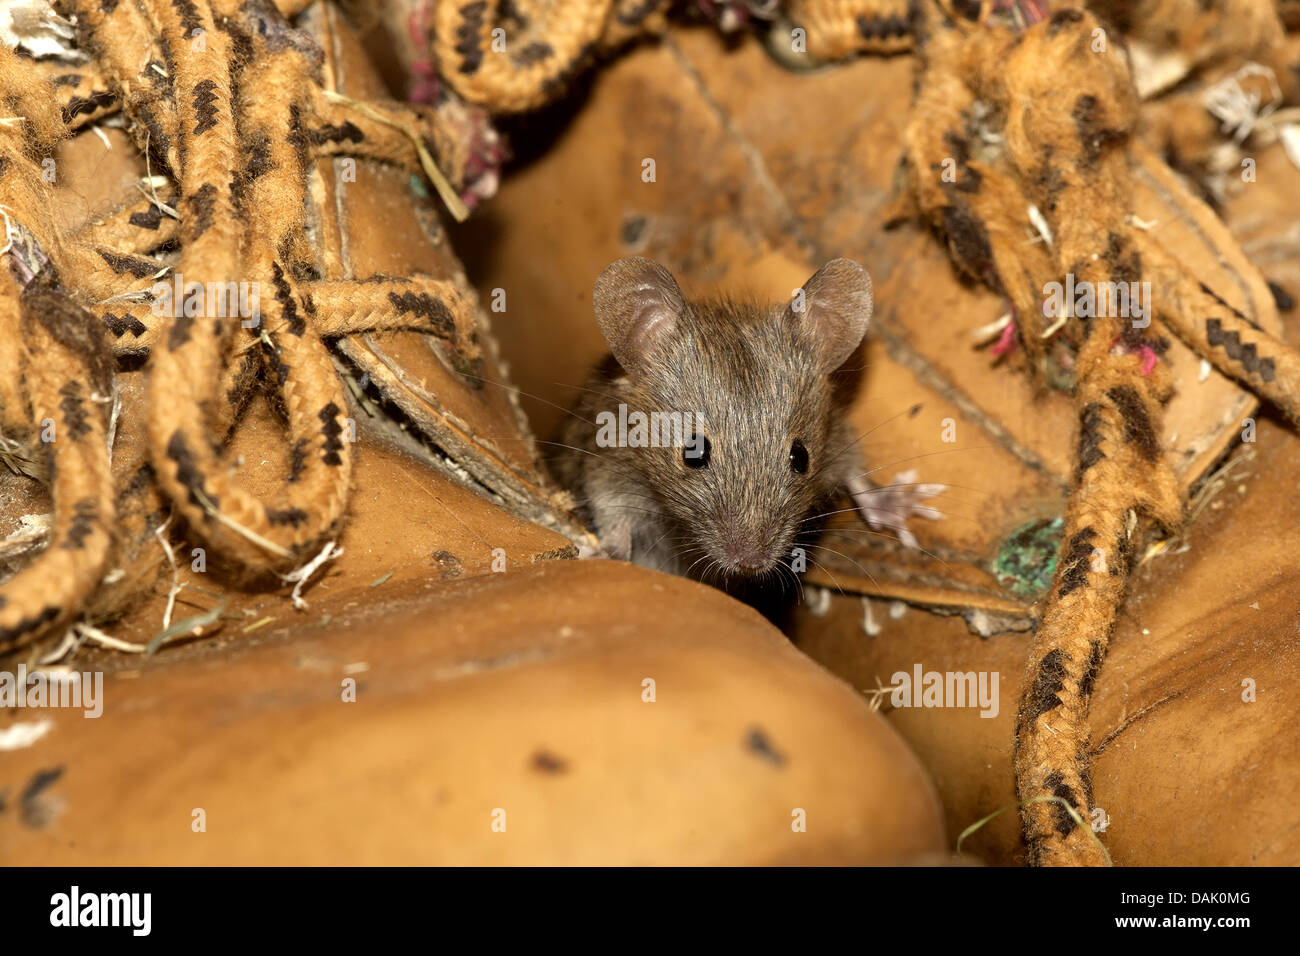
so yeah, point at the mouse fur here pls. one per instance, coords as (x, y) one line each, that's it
(758, 383)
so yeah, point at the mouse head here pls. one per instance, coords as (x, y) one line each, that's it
(765, 441)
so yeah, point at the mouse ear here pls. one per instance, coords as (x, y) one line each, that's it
(637, 304)
(834, 307)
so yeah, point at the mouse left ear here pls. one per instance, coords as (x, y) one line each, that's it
(638, 303)
(834, 307)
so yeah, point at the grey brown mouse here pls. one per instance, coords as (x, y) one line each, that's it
(764, 445)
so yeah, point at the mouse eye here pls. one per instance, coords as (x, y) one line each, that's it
(697, 451)
(799, 457)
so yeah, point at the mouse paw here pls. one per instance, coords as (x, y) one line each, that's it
(587, 552)
(613, 547)
(889, 506)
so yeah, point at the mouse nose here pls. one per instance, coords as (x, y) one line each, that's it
(744, 553)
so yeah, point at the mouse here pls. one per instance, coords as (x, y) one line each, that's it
(714, 437)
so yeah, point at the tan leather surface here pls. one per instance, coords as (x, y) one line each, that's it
(520, 692)
(1187, 772)
(380, 227)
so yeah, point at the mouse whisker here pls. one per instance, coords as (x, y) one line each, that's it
(783, 569)
(894, 538)
(584, 451)
(588, 499)
(947, 513)
(884, 488)
(661, 538)
(869, 431)
(703, 557)
(876, 490)
(519, 391)
(914, 484)
(929, 454)
(822, 547)
(586, 388)
(829, 573)
(622, 467)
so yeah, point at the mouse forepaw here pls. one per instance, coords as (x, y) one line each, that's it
(614, 547)
(888, 507)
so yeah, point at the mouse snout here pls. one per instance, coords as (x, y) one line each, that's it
(745, 550)
(747, 557)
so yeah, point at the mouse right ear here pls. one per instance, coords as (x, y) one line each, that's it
(637, 304)
(834, 309)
